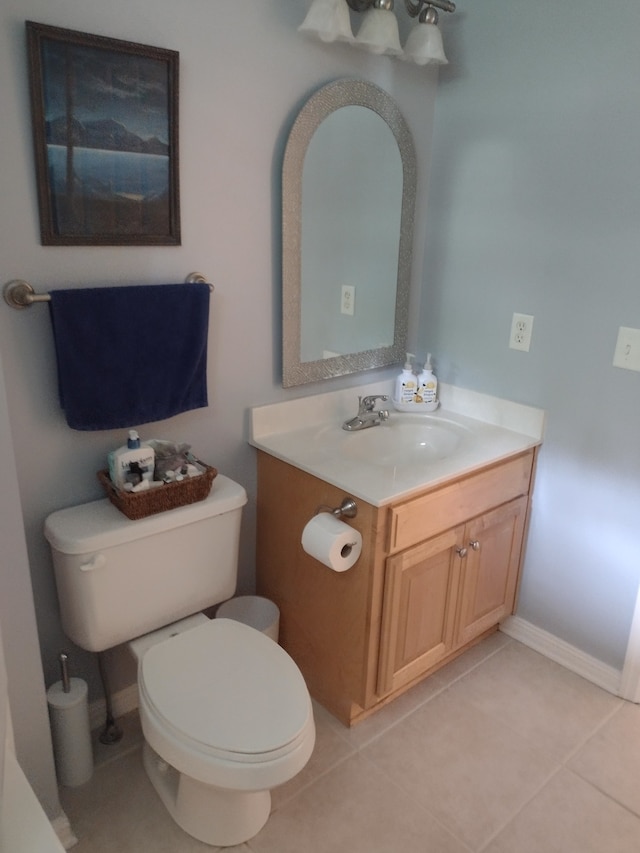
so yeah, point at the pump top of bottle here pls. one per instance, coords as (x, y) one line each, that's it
(427, 364)
(134, 439)
(407, 364)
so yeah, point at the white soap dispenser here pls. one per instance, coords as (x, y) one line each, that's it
(406, 383)
(428, 384)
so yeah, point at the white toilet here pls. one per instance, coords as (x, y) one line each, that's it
(225, 712)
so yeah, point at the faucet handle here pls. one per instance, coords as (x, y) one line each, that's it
(367, 403)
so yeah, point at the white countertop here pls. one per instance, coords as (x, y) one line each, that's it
(307, 433)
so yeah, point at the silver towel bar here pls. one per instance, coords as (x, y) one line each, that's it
(20, 294)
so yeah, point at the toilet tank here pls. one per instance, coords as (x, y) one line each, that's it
(118, 578)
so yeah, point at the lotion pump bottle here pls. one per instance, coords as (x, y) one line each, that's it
(427, 383)
(406, 384)
(132, 464)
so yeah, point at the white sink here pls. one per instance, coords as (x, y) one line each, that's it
(405, 440)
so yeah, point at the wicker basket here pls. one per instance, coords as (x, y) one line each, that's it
(137, 505)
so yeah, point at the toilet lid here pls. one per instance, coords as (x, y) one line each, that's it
(226, 687)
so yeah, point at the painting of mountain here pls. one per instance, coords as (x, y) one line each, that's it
(105, 128)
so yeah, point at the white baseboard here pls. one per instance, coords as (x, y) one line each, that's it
(62, 829)
(566, 655)
(121, 702)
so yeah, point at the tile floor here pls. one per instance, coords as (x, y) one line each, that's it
(502, 751)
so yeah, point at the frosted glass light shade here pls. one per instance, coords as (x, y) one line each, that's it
(328, 20)
(424, 46)
(378, 32)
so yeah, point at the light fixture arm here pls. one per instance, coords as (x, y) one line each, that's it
(414, 7)
(360, 5)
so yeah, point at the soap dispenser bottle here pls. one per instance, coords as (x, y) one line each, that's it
(132, 465)
(427, 383)
(406, 383)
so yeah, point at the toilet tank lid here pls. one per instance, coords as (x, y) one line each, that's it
(97, 525)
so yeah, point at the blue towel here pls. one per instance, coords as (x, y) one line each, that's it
(130, 355)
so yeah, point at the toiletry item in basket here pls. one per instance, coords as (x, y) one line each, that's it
(427, 383)
(175, 461)
(406, 383)
(131, 464)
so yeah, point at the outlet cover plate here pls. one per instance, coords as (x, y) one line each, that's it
(521, 330)
(348, 300)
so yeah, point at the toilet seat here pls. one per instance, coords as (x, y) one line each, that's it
(222, 700)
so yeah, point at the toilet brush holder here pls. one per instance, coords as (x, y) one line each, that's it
(70, 730)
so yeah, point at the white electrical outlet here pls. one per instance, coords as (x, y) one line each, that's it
(521, 330)
(627, 352)
(348, 300)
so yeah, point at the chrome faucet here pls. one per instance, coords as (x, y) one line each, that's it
(367, 415)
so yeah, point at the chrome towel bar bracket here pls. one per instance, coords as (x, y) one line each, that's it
(20, 294)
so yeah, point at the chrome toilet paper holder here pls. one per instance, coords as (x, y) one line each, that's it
(347, 509)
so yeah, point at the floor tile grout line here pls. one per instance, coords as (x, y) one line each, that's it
(609, 716)
(521, 808)
(313, 781)
(558, 766)
(527, 740)
(360, 748)
(417, 803)
(561, 760)
(428, 699)
(559, 763)
(602, 791)
(563, 765)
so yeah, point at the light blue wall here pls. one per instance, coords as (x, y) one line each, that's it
(534, 207)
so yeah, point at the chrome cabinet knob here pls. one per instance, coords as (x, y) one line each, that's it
(475, 545)
(461, 552)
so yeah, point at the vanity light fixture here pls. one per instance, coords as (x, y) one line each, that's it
(378, 31)
(329, 21)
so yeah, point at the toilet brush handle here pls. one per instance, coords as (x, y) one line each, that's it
(66, 683)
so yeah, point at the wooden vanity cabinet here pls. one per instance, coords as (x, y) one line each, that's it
(437, 571)
(444, 593)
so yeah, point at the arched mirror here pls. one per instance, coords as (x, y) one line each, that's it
(348, 190)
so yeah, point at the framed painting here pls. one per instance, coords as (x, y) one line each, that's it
(105, 130)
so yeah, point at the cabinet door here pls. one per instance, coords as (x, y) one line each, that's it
(490, 569)
(418, 616)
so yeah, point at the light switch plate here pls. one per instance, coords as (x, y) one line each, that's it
(627, 352)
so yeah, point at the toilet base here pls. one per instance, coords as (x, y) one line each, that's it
(213, 815)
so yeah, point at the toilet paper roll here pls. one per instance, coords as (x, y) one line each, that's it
(332, 542)
(70, 732)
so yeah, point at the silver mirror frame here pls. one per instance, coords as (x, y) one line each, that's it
(331, 97)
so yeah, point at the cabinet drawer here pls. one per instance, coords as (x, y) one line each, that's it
(440, 509)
